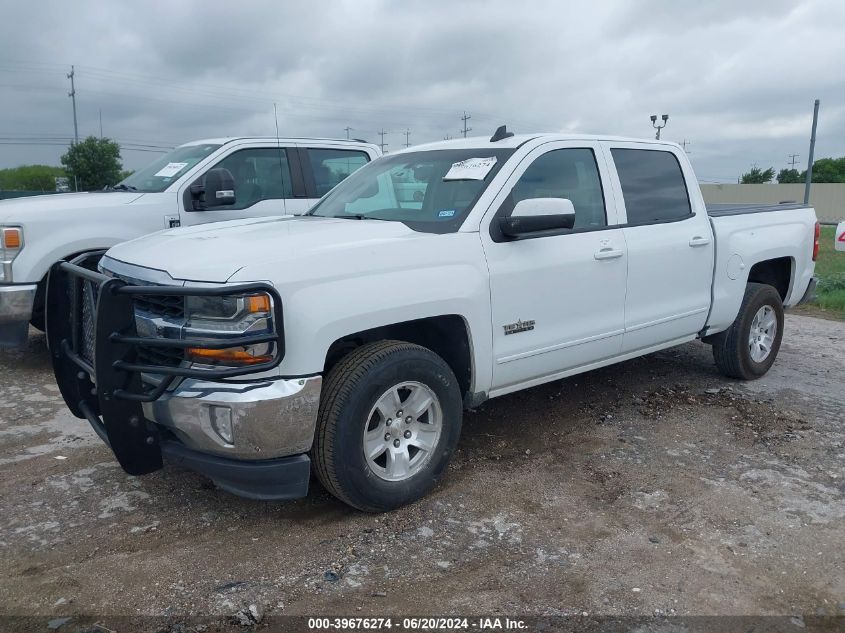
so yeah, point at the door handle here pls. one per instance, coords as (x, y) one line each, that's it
(699, 241)
(608, 253)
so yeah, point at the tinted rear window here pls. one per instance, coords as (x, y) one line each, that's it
(653, 185)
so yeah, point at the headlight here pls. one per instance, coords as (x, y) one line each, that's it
(11, 243)
(216, 318)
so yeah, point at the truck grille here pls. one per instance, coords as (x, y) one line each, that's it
(171, 307)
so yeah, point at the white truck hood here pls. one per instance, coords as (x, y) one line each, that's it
(215, 252)
(54, 206)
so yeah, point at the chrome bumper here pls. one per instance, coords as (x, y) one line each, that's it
(270, 418)
(15, 312)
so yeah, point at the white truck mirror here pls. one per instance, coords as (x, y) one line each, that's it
(839, 237)
(538, 214)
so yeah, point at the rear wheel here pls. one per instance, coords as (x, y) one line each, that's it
(389, 421)
(749, 347)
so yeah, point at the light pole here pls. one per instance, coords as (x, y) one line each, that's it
(656, 126)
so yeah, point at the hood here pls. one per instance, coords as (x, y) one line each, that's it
(20, 210)
(215, 252)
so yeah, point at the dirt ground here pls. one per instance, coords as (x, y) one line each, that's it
(654, 486)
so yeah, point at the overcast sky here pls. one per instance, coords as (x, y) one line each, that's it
(738, 78)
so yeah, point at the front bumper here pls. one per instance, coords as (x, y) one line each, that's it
(265, 480)
(246, 431)
(15, 312)
(268, 419)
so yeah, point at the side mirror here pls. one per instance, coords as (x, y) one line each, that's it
(217, 190)
(538, 214)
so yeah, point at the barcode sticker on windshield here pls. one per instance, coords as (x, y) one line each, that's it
(471, 169)
(169, 170)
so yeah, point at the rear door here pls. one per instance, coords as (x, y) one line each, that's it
(558, 298)
(669, 241)
(323, 168)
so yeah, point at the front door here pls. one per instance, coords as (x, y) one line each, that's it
(262, 178)
(558, 298)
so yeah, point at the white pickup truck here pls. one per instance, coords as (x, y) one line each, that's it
(272, 176)
(350, 340)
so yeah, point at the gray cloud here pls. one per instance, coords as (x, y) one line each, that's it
(738, 79)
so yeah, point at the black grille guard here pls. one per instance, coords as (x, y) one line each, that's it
(107, 388)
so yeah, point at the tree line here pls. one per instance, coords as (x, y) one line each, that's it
(89, 165)
(824, 170)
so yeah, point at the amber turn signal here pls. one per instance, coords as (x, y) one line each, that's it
(228, 356)
(258, 303)
(11, 238)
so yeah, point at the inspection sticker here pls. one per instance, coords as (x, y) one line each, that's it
(471, 169)
(169, 170)
(446, 213)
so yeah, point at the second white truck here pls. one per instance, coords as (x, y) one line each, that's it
(188, 186)
(348, 341)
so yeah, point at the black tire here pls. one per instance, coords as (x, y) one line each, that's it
(350, 392)
(731, 348)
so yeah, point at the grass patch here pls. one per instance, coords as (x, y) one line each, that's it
(830, 270)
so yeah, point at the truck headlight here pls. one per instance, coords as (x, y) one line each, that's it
(218, 318)
(11, 243)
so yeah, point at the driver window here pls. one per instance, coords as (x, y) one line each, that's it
(565, 173)
(260, 174)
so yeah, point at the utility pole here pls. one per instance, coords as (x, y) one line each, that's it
(812, 150)
(684, 144)
(72, 95)
(656, 126)
(101, 123)
(382, 144)
(407, 137)
(792, 158)
(466, 117)
(348, 130)
(448, 137)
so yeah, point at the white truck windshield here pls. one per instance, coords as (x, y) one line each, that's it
(430, 191)
(159, 175)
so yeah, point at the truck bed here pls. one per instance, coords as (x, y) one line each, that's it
(722, 209)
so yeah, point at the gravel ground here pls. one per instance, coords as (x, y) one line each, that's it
(654, 486)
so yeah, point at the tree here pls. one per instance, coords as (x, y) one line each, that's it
(787, 176)
(94, 163)
(30, 178)
(827, 170)
(757, 176)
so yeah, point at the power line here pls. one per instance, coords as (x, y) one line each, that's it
(466, 117)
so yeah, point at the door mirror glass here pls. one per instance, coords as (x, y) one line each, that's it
(216, 190)
(538, 214)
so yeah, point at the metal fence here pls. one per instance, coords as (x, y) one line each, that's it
(827, 198)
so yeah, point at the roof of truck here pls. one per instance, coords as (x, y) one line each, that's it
(475, 142)
(284, 139)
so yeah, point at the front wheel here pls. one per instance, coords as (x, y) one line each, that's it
(389, 421)
(749, 347)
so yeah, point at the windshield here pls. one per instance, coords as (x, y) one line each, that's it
(430, 191)
(159, 175)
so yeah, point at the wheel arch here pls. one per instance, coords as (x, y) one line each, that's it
(777, 272)
(446, 335)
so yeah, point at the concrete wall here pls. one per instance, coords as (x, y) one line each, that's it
(827, 198)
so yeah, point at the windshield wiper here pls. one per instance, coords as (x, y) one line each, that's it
(122, 187)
